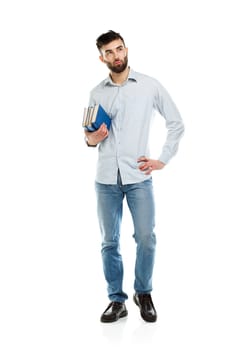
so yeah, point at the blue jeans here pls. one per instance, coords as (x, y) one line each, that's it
(140, 201)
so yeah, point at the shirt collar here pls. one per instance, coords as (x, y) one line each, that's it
(132, 76)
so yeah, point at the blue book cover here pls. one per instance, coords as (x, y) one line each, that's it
(95, 116)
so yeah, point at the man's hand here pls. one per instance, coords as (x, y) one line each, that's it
(148, 165)
(97, 136)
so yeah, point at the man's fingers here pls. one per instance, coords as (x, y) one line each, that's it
(145, 166)
(142, 159)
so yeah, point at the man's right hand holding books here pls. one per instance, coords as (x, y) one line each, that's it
(95, 137)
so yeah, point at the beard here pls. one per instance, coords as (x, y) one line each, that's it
(118, 68)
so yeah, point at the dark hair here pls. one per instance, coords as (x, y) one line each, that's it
(106, 38)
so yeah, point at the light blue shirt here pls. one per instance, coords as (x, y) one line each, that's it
(132, 106)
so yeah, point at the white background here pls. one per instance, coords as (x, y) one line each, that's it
(52, 288)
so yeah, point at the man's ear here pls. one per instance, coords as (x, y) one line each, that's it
(101, 58)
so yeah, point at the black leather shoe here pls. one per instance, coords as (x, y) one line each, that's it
(114, 311)
(147, 309)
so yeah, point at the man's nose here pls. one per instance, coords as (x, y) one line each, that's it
(116, 54)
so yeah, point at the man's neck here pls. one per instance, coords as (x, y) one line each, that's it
(119, 78)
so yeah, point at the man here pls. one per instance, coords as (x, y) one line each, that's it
(125, 170)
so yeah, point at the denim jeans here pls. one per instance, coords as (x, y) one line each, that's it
(140, 201)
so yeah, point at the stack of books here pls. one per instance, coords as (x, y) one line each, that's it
(93, 117)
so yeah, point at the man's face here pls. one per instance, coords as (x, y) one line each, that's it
(114, 55)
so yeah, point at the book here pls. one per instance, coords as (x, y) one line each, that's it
(93, 117)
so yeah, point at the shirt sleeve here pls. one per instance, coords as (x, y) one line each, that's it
(174, 124)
